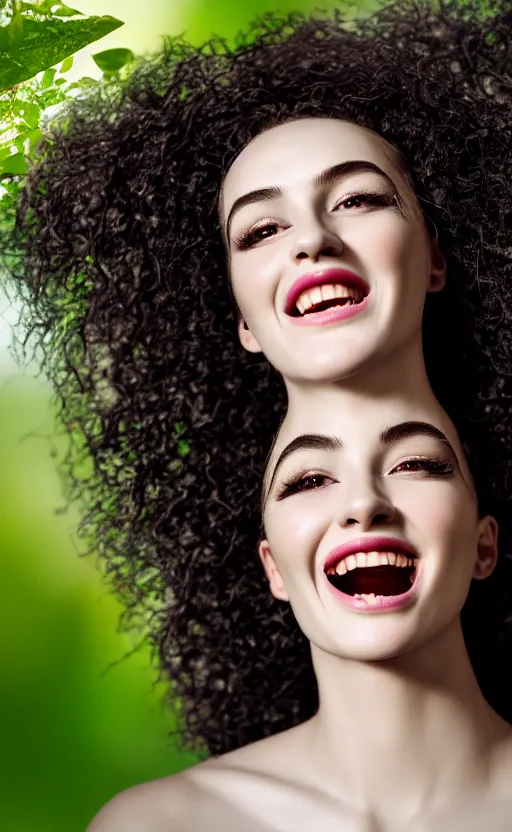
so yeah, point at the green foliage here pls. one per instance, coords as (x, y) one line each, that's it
(112, 60)
(39, 34)
(34, 36)
(24, 118)
(183, 448)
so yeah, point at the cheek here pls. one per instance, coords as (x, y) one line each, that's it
(453, 540)
(397, 247)
(445, 517)
(253, 277)
(294, 533)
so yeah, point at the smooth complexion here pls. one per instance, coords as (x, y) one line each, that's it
(403, 740)
(393, 685)
(316, 194)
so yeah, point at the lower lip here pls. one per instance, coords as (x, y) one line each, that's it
(331, 316)
(383, 602)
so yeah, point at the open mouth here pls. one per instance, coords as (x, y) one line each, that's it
(371, 576)
(328, 296)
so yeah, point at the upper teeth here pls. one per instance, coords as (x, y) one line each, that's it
(310, 297)
(359, 560)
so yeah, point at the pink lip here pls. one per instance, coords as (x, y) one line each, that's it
(336, 313)
(372, 544)
(368, 544)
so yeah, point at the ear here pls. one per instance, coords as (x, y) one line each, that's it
(275, 580)
(247, 339)
(437, 267)
(487, 548)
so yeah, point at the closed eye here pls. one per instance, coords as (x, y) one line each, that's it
(310, 482)
(434, 467)
(366, 200)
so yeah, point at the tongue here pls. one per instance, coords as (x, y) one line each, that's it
(381, 580)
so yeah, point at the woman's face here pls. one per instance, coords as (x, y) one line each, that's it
(328, 252)
(373, 534)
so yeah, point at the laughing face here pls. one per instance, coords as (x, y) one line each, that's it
(329, 255)
(373, 534)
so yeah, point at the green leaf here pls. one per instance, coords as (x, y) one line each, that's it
(183, 448)
(14, 164)
(39, 44)
(65, 11)
(30, 112)
(18, 142)
(34, 137)
(47, 79)
(49, 7)
(112, 60)
(66, 65)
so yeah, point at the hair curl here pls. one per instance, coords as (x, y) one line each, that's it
(123, 272)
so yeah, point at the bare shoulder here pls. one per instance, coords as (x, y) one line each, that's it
(213, 796)
(157, 806)
(194, 800)
(237, 790)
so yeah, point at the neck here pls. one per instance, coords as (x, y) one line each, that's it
(401, 376)
(399, 386)
(401, 737)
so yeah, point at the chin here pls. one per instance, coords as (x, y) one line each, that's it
(325, 370)
(377, 648)
(375, 655)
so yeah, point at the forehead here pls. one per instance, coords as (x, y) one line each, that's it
(297, 151)
(359, 424)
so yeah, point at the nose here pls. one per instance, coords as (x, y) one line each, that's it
(314, 240)
(365, 508)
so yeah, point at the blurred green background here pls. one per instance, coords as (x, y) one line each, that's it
(82, 718)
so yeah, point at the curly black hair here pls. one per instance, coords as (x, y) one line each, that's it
(118, 256)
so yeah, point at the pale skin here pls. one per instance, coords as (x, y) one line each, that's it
(403, 739)
(414, 663)
(310, 227)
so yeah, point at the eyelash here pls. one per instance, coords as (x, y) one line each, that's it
(436, 467)
(375, 199)
(297, 484)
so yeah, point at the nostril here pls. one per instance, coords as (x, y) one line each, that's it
(381, 518)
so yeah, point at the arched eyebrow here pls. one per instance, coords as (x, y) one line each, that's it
(389, 436)
(327, 177)
(307, 441)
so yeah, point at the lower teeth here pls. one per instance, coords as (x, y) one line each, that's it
(370, 599)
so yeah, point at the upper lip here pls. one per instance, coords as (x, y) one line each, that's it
(320, 278)
(368, 544)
